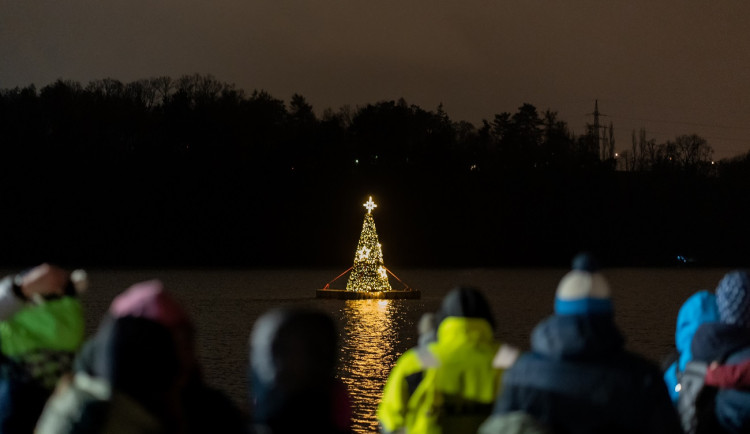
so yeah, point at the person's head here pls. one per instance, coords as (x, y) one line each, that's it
(293, 353)
(733, 298)
(152, 301)
(294, 347)
(141, 360)
(467, 302)
(583, 290)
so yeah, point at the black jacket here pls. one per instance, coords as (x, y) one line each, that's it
(579, 379)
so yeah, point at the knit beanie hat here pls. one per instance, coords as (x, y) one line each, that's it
(584, 290)
(733, 298)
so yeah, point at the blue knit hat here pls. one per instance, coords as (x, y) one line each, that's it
(584, 290)
(733, 298)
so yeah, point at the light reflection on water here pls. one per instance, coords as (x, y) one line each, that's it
(371, 343)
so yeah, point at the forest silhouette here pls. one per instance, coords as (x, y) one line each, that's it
(195, 172)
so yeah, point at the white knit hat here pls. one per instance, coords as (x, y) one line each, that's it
(584, 290)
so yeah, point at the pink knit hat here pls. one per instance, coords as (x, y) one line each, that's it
(150, 300)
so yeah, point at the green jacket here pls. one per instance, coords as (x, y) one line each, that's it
(53, 325)
(449, 383)
(40, 340)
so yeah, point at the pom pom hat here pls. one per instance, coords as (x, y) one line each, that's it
(584, 290)
(733, 298)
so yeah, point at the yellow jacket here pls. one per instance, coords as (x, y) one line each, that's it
(450, 382)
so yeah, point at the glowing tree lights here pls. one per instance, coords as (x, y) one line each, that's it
(368, 273)
(368, 277)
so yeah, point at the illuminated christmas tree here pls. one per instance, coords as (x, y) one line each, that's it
(368, 272)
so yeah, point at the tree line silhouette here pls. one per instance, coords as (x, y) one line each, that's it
(193, 171)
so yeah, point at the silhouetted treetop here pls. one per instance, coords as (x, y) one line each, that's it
(201, 171)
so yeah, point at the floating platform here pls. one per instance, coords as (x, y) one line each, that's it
(342, 294)
(405, 293)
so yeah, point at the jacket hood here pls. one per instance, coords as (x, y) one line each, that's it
(455, 332)
(577, 337)
(465, 302)
(698, 309)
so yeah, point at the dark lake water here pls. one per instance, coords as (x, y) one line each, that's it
(224, 305)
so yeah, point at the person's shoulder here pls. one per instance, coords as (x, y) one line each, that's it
(739, 356)
(530, 367)
(639, 365)
(208, 396)
(640, 375)
(211, 409)
(79, 400)
(411, 357)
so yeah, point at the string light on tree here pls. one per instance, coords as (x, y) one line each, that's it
(382, 272)
(368, 272)
(363, 253)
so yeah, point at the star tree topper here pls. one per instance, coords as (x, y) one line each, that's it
(370, 205)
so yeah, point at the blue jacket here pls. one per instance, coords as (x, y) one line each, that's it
(698, 309)
(578, 378)
(729, 344)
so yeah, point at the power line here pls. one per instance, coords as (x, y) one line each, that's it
(651, 106)
(694, 124)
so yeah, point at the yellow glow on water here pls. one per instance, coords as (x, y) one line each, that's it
(370, 341)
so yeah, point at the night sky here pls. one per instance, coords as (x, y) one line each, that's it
(672, 67)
